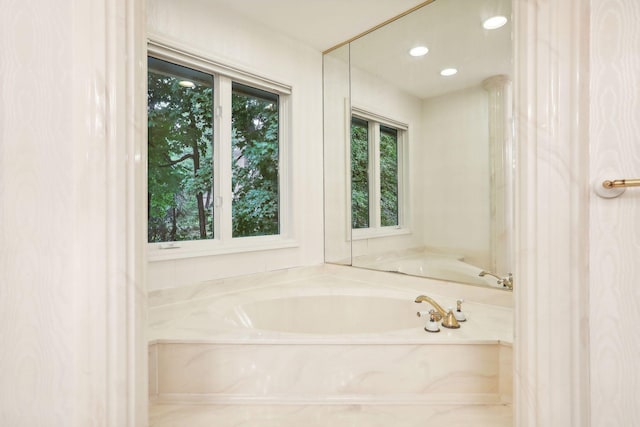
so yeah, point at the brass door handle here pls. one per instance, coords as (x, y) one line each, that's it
(621, 183)
(615, 187)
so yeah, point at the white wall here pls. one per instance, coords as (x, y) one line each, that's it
(455, 174)
(72, 297)
(251, 46)
(615, 223)
(373, 95)
(36, 261)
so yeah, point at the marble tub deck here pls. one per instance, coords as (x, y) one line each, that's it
(195, 380)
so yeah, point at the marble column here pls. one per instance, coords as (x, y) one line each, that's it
(501, 170)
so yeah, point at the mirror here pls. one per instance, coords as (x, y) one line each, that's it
(419, 165)
(337, 190)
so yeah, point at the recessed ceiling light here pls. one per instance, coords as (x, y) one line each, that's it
(448, 72)
(419, 51)
(494, 22)
(187, 84)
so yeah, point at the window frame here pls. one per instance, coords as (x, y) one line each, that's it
(224, 77)
(375, 228)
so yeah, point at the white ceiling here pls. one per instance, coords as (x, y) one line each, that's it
(453, 32)
(450, 28)
(321, 24)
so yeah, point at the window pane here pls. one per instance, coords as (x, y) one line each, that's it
(359, 173)
(255, 152)
(180, 151)
(388, 176)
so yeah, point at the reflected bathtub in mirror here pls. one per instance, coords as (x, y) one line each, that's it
(428, 264)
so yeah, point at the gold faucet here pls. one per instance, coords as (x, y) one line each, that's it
(448, 319)
(506, 282)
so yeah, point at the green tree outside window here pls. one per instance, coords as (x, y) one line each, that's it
(359, 173)
(180, 152)
(181, 158)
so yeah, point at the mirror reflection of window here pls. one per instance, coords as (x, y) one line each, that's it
(388, 176)
(375, 179)
(359, 173)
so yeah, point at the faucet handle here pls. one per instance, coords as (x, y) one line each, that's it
(432, 324)
(507, 282)
(431, 313)
(459, 314)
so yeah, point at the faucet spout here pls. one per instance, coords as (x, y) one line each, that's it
(506, 282)
(448, 319)
(439, 309)
(484, 273)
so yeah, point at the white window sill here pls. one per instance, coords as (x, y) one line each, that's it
(374, 233)
(193, 249)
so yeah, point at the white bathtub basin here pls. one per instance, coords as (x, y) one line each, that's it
(328, 314)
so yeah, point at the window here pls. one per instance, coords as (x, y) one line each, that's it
(180, 153)
(376, 174)
(255, 162)
(388, 176)
(359, 173)
(214, 157)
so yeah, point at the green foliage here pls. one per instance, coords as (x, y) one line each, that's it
(179, 160)
(359, 174)
(388, 177)
(255, 165)
(180, 157)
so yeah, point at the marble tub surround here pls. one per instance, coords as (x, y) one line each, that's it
(206, 311)
(218, 287)
(208, 360)
(213, 288)
(303, 373)
(327, 345)
(495, 297)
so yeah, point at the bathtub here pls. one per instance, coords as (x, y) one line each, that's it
(327, 315)
(324, 339)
